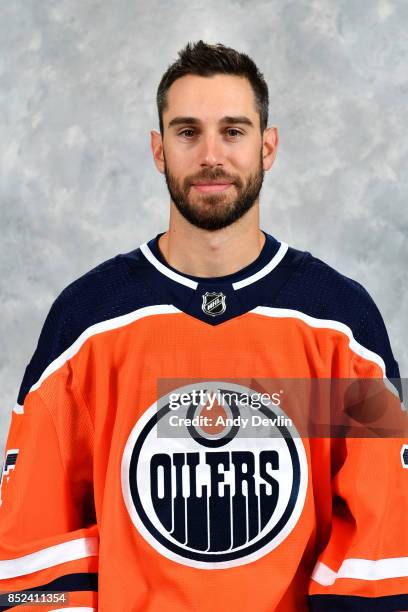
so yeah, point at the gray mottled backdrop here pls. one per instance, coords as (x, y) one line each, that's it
(78, 184)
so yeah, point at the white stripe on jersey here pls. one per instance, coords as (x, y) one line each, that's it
(48, 557)
(362, 569)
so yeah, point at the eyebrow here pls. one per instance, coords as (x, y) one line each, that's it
(227, 119)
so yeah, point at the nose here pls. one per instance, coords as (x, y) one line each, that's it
(211, 152)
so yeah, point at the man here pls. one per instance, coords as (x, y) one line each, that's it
(131, 482)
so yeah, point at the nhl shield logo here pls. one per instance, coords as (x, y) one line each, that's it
(213, 303)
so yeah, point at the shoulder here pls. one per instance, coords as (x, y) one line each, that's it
(320, 291)
(110, 289)
(85, 300)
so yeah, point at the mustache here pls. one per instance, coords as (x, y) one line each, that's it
(211, 177)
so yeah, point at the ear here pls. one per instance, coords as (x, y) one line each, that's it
(270, 146)
(156, 145)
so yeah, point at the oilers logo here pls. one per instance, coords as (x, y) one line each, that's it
(211, 495)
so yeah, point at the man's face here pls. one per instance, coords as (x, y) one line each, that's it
(208, 148)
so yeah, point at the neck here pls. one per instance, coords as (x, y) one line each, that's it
(198, 252)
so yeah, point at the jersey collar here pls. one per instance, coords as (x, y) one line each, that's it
(217, 299)
(271, 254)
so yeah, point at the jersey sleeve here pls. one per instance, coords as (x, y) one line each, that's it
(48, 528)
(363, 564)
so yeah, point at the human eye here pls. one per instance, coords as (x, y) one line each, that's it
(234, 130)
(184, 131)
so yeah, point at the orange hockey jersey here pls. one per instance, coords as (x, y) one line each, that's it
(132, 481)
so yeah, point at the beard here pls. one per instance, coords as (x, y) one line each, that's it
(214, 211)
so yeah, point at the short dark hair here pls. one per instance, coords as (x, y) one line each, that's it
(204, 59)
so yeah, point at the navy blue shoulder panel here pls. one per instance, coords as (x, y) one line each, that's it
(121, 285)
(318, 290)
(109, 290)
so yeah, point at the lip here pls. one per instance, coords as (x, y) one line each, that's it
(208, 187)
